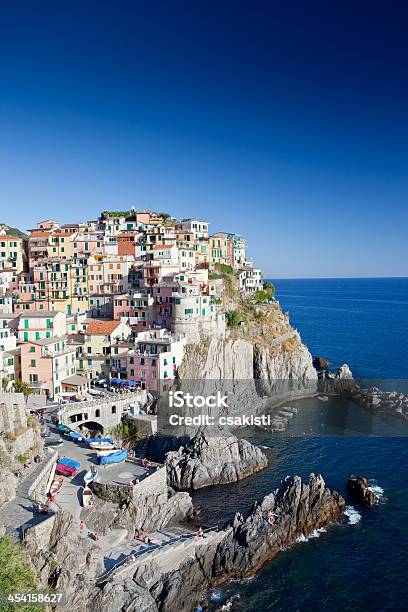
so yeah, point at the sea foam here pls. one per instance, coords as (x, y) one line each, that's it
(352, 514)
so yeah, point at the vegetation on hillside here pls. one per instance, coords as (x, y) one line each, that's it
(16, 574)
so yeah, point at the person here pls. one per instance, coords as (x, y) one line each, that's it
(271, 517)
(200, 533)
(81, 527)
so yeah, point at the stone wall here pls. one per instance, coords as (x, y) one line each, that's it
(36, 490)
(153, 485)
(13, 414)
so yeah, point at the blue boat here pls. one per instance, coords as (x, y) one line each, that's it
(113, 458)
(70, 462)
(90, 440)
(75, 436)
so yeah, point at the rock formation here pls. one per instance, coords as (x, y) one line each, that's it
(359, 490)
(341, 382)
(320, 363)
(296, 509)
(64, 560)
(213, 460)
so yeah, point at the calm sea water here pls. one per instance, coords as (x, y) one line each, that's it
(361, 564)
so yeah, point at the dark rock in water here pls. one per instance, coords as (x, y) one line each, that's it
(155, 447)
(296, 509)
(320, 363)
(213, 460)
(360, 491)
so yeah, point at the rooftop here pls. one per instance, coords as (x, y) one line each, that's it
(102, 327)
(43, 314)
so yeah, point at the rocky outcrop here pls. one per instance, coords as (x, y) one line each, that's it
(296, 509)
(213, 460)
(152, 507)
(341, 382)
(123, 595)
(320, 363)
(360, 492)
(64, 560)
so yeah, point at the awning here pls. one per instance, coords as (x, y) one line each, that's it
(117, 381)
(130, 383)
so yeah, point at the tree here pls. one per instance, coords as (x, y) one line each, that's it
(261, 297)
(22, 387)
(165, 216)
(270, 288)
(4, 384)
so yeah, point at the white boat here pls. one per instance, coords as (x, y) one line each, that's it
(90, 475)
(87, 497)
(101, 445)
(109, 451)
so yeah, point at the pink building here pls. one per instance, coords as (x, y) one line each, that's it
(84, 245)
(137, 307)
(154, 361)
(48, 364)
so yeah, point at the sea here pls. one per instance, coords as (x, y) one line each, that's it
(362, 562)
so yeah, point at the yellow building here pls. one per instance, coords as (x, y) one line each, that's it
(12, 254)
(60, 245)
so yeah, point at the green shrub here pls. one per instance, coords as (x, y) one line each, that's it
(233, 317)
(16, 573)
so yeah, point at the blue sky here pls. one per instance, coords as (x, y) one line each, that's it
(287, 124)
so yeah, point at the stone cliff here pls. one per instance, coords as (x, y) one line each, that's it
(262, 357)
(20, 441)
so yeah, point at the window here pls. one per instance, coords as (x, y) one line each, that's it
(33, 378)
(32, 349)
(25, 323)
(48, 323)
(25, 336)
(113, 409)
(32, 363)
(97, 413)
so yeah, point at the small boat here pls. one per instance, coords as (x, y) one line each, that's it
(87, 497)
(55, 487)
(102, 445)
(90, 475)
(65, 470)
(323, 398)
(109, 451)
(70, 462)
(64, 428)
(75, 436)
(114, 457)
(53, 443)
(92, 440)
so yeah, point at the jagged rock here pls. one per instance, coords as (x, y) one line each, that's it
(213, 460)
(343, 373)
(63, 559)
(248, 543)
(320, 363)
(359, 491)
(126, 596)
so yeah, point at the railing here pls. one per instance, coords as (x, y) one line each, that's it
(152, 548)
